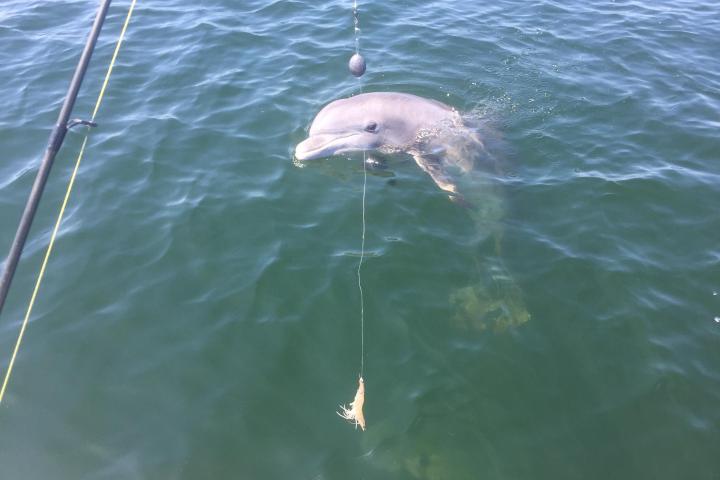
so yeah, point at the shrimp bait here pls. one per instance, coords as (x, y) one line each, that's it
(354, 413)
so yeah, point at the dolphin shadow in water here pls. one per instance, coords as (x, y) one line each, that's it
(450, 150)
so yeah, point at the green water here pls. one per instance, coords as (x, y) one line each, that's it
(200, 314)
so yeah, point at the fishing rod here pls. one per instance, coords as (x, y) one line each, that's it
(54, 143)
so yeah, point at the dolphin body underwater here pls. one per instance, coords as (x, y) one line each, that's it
(445, 147)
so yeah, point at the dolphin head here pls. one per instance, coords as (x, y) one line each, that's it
(338, 129)
(385, 121)
(342, 135)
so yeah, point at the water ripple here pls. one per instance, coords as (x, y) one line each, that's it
(204, 286)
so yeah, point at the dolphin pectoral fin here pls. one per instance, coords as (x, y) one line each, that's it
(431, 165)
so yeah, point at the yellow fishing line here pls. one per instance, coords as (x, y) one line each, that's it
(41, 274)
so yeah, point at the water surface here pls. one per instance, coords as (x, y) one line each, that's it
(200, 315)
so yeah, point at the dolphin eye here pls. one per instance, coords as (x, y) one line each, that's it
(371, 127)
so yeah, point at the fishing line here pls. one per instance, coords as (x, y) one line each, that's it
(362, 257)
(356, 21)
(357, 62)
(61, 214)
(354, 412)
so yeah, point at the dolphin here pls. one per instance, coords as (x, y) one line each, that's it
(447, 146)
(388, 122)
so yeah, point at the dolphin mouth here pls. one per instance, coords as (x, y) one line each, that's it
(324, 145)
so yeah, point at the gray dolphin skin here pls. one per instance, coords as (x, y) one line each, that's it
(388, 122)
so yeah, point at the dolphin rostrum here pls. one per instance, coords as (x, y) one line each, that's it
(390, 122)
